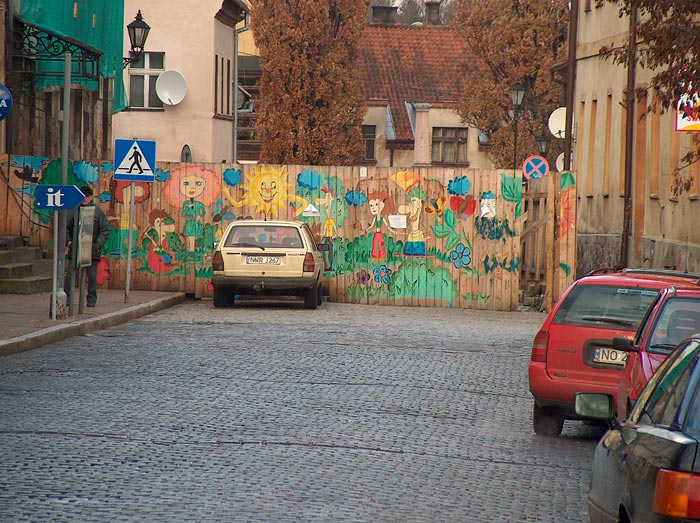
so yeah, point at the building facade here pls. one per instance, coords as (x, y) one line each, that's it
(662, 233)
(190, 111)
(410, 76)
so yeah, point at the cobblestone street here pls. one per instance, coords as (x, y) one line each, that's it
(267, 412)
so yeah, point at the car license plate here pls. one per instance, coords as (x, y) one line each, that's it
(610, 356)
(265, 260)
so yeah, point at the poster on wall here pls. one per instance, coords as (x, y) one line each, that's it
(688, 110)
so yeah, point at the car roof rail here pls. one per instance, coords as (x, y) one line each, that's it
(605, 270)
(665, 272)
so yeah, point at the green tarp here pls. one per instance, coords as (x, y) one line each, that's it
(96, 23)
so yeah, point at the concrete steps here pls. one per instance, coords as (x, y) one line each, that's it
(23, 269)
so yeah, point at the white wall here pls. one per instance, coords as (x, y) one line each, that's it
(187, 33)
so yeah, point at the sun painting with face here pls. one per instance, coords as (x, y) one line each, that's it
(268, 191)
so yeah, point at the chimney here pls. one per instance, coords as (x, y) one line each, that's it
(432, 12)
(385, 14)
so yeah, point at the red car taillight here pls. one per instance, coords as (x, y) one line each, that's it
(309, 263)
(539, 347)
(217, 264)
(677, 494)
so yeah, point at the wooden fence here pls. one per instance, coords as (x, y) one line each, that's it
(419, 237)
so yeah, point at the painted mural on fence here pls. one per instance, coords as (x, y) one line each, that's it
(401, 236)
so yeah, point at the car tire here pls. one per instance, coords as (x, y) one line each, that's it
(311, 297)
(319, 295)
(547, 421)
(222, 297)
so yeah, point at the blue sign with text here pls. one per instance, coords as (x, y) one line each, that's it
(58, 197)
(5, 101)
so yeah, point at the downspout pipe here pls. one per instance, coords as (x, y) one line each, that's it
(570, 84)
(629, 138)
(236, 32)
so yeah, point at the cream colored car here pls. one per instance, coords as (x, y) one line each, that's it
(268, 258)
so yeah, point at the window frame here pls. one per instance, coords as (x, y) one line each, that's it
(440, 140)
(141, 68)
(369, 135)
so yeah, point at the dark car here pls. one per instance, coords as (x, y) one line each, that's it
(647, 468)
(674, 316)
(573, 352)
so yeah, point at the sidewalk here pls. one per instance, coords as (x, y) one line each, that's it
(25, 321)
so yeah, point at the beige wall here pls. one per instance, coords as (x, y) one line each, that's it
(191, 52)
(663, 235)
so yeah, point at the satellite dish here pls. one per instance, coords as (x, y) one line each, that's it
(557, 122)
(171, 87)
(559, 162)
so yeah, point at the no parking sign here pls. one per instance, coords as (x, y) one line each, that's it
(535, 167)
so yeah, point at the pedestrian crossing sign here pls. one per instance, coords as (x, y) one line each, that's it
(134, 160)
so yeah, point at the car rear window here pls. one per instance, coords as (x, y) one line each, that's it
(605, 306)
(264, 236)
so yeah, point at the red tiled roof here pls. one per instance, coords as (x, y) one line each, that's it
(417, 64)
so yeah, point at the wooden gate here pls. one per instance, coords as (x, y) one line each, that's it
(548, 238)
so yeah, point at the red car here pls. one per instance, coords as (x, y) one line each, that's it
(573, 352)
(674, 316)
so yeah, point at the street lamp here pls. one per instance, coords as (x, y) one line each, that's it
(543, 144)
(138, 32)
(517, 93)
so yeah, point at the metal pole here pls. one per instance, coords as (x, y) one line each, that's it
(515, 141)
(629, 139)
(234, 156)
(55, 265)
(60, 243)
(131, 242)
(72, 262)
(570, 84)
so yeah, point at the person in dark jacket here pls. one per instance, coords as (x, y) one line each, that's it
(100, 233)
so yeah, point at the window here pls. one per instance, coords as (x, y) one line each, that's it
(143, 74)
(600, 305)
(450, 145)
(369, 133)
(660, 400)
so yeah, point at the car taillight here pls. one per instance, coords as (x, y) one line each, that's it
(677, 494)
(309, 263)
(217, 264)
(539, 347)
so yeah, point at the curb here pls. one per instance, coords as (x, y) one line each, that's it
(80, 327)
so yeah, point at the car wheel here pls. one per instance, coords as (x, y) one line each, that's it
(311, 297)
(319, 294)
(547, 421)
(222, 297)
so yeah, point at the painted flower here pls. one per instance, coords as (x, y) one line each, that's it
(437, 206)
(382, 274)
(460, 256)
(362, 278)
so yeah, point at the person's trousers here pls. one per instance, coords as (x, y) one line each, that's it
(91, 272)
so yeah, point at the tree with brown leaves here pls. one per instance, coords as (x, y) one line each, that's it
(311, 106)
(512, 41)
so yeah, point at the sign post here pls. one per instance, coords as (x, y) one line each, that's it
(57, 198)
(134, 161)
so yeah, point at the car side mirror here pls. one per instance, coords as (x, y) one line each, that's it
(216, 245)
(624, 344)
(323, 247)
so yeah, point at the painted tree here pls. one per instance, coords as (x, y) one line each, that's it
(312, 106)
(511, 41)
(668, 44)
